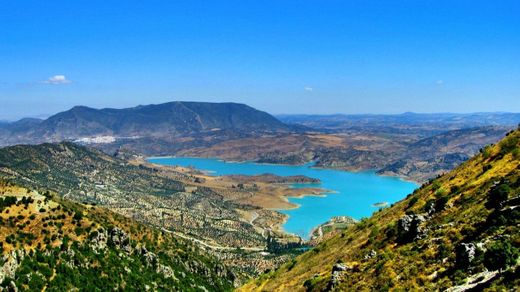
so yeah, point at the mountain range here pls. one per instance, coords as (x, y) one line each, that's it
(162, 120)
(410, 145)
(422, 124)
(458, 232)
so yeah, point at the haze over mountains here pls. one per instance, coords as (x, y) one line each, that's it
(182, 118)
(423, 124)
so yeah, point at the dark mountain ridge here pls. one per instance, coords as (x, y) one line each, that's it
(167, 119)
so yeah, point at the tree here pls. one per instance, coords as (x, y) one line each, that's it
(500, 255)
(498, 195)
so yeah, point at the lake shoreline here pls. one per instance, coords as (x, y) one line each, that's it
(303, 207)
(353, 170)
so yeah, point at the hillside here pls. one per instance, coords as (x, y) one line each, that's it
(437, 154)
(459, 231)
(162, 120)
(47, 243)
(166, 199)
(81, 173)
(232, 217)
(391, 154)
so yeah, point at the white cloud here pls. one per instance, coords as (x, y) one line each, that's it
(307, 88)
(57, 79)
(439, 82)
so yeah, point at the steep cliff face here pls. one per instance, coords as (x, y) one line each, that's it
(460, 231)
(51, 243)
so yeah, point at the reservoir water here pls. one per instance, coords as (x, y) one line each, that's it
(353, 193)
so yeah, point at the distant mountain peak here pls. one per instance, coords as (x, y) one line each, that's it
(81, 107)
(156, 120)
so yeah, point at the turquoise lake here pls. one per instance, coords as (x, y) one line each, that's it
(353, 193)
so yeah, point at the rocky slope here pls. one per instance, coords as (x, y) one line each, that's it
(460, 232)
(47, 243)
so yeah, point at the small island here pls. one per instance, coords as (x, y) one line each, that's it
(380, 204)
(275, 179)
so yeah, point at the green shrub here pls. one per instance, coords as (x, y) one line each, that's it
(497, 195)
(501, 255)
(486, 152)
(516, 153)
(508, 145)
(441, 193)
(78, 216)
(412, 201)
(311, 284)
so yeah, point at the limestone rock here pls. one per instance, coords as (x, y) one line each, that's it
(466, 252)
(409, 228)
(99, 239)
(338, 271)
(371, 254)
(11, 261)
(339, 268)
(166, 271)
(149, 257)
(118, 238)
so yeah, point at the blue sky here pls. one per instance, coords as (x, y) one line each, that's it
(279, 56)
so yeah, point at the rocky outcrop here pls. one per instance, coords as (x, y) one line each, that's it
(166, 271)
(474, 282)
(98, 240)
(119, 239)
(11, 261)
(409, 228)
(149, 257)
(339, 271)
(466, 253)
(337, 275)
(371, 254)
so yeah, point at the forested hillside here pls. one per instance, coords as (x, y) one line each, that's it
(54, 244)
